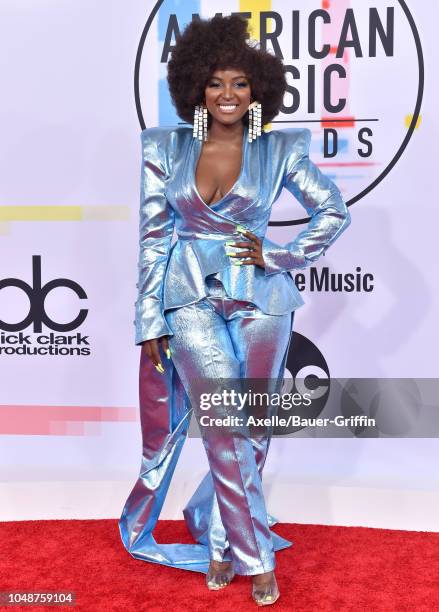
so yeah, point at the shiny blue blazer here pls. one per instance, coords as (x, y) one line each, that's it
(172, 274)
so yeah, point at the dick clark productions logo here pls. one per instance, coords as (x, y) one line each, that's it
(355, 74)
(38, 343)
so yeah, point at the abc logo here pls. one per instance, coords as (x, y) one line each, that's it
(309, 375)
(37, 295)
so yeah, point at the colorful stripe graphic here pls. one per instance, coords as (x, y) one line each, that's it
(254, 7)
(27, 420)
(64, 213)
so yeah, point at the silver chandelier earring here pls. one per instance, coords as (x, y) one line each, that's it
(254, 120)
(200, 122)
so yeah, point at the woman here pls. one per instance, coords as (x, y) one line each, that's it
(220, 301)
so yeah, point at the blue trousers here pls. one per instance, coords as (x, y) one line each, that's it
(220, 337)
(217, 337)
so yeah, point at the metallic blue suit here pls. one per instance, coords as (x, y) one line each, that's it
(219, 318)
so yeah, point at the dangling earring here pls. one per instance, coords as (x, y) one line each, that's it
(254, 120)
(200, 122)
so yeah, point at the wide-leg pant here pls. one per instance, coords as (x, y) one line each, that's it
(223, 338)
(233, 338)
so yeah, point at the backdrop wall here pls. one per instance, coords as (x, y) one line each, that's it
(73, 104)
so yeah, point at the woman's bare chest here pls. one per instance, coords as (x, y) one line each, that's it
(217, 172)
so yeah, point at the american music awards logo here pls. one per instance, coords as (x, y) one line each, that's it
(355, 76)
(27, 336)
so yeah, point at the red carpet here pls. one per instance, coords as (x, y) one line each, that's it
(328, 568)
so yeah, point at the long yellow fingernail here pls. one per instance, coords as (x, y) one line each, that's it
(229, 242)
(241, 228)
(159, 368)
(231, 254)
(168, 353)
(237, 263)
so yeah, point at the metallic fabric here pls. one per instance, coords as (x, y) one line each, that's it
(172, 275)
(222, 338)
(194, 279)
(215, 337)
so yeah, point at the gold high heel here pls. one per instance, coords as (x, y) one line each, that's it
(217, 579)
(266, 594)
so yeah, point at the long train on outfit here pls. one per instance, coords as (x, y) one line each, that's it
(219, 318)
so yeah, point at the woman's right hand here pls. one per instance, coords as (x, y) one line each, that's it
(151, 349)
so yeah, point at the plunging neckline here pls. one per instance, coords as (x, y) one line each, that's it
(199, 147)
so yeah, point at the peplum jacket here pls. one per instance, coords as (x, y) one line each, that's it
(172, 275)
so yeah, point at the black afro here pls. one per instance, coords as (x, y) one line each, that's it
(206, 45)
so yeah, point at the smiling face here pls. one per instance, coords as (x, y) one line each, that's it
(228, 95)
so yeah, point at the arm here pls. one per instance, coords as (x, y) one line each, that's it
(323, 202)
(156, 226)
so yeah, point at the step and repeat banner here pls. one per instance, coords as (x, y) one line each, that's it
(79, 83)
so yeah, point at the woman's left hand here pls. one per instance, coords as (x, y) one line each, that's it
(252, 255)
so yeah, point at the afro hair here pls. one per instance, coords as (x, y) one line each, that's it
(206, 45)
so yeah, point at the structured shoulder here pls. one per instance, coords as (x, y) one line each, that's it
(292, 145)
(293, 138)
(161, 135)
(164, 143)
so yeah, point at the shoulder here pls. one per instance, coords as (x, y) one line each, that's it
(165, 143)
(292, 145)
(161, 136)
(292, 138)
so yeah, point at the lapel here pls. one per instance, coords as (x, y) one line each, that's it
(228, 210)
